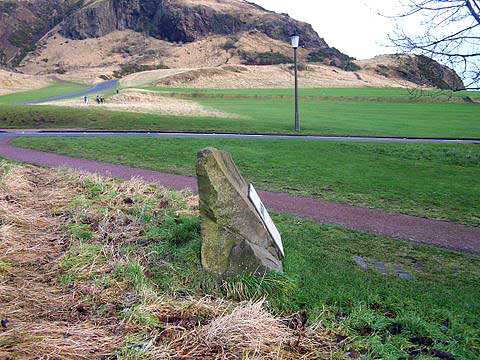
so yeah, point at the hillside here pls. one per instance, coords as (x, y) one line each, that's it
(419, 70)
(24, 22)
(13, 82)
(94, 40)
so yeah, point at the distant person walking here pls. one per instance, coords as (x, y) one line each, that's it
(117, 91)
(85, 100)
(97, 99)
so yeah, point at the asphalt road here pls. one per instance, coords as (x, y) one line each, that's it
(96, 89)
(44, 133)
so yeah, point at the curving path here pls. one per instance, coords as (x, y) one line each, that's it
(433, 232)
(93, 133)
(97, 88)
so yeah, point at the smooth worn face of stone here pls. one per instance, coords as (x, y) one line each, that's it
(234, 238)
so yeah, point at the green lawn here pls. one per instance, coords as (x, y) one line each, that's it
(358, 117)
(428, 180)
(334, 92)
(49, 91)
(332, 116)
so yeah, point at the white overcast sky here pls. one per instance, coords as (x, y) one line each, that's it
(352, 26)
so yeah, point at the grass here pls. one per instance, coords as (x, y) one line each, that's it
(49, 91)
(139, 269)
(364, 113)
(428, 180)
(383, 316)
(440, 303)
(366, 92)
(359, 117)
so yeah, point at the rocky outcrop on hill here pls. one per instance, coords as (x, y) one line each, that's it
(185, 21)
(23, 23)
(418, 69)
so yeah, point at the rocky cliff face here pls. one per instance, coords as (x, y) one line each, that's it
(23, 23)
(184, 21)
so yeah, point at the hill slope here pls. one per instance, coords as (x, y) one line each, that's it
(91, 40)
(185, 20)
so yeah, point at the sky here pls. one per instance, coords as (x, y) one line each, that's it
(355, 27)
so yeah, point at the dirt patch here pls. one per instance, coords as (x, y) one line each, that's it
(149, 102)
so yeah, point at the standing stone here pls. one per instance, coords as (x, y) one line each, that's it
(234, 238)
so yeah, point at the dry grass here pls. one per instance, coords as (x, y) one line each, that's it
(249, 331)
(150, 102)
(148, 77)
(241, 329)
(13, 82)
(45, 318)
(42, 318)
(276, 76)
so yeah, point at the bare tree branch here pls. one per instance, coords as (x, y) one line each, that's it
(451, 34)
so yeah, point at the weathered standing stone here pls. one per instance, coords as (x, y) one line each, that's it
(234, 239)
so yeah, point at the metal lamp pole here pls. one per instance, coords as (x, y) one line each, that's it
(295, 42)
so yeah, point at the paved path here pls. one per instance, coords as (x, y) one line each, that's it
(96, 89)
(83, 133)
(438, 233)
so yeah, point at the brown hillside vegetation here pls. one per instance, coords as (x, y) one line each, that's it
(94, 40)
(70, 290)
(205, 63)
(101, 56)
(13, 82)
(266, 76)
(416, 69)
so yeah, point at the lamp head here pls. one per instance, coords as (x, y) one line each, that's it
(295, 39)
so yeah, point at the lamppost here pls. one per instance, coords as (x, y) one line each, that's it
(295, 43)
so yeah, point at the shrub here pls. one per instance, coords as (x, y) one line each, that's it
(127, 69)
(336, 58)
(8, 7)
(229, 44)
(264, 58)
(351, 66)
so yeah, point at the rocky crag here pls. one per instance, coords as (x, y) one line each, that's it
(417, 69)
(24, 23)
(185, 21)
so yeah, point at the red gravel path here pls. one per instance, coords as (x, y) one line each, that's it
(438, 233)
